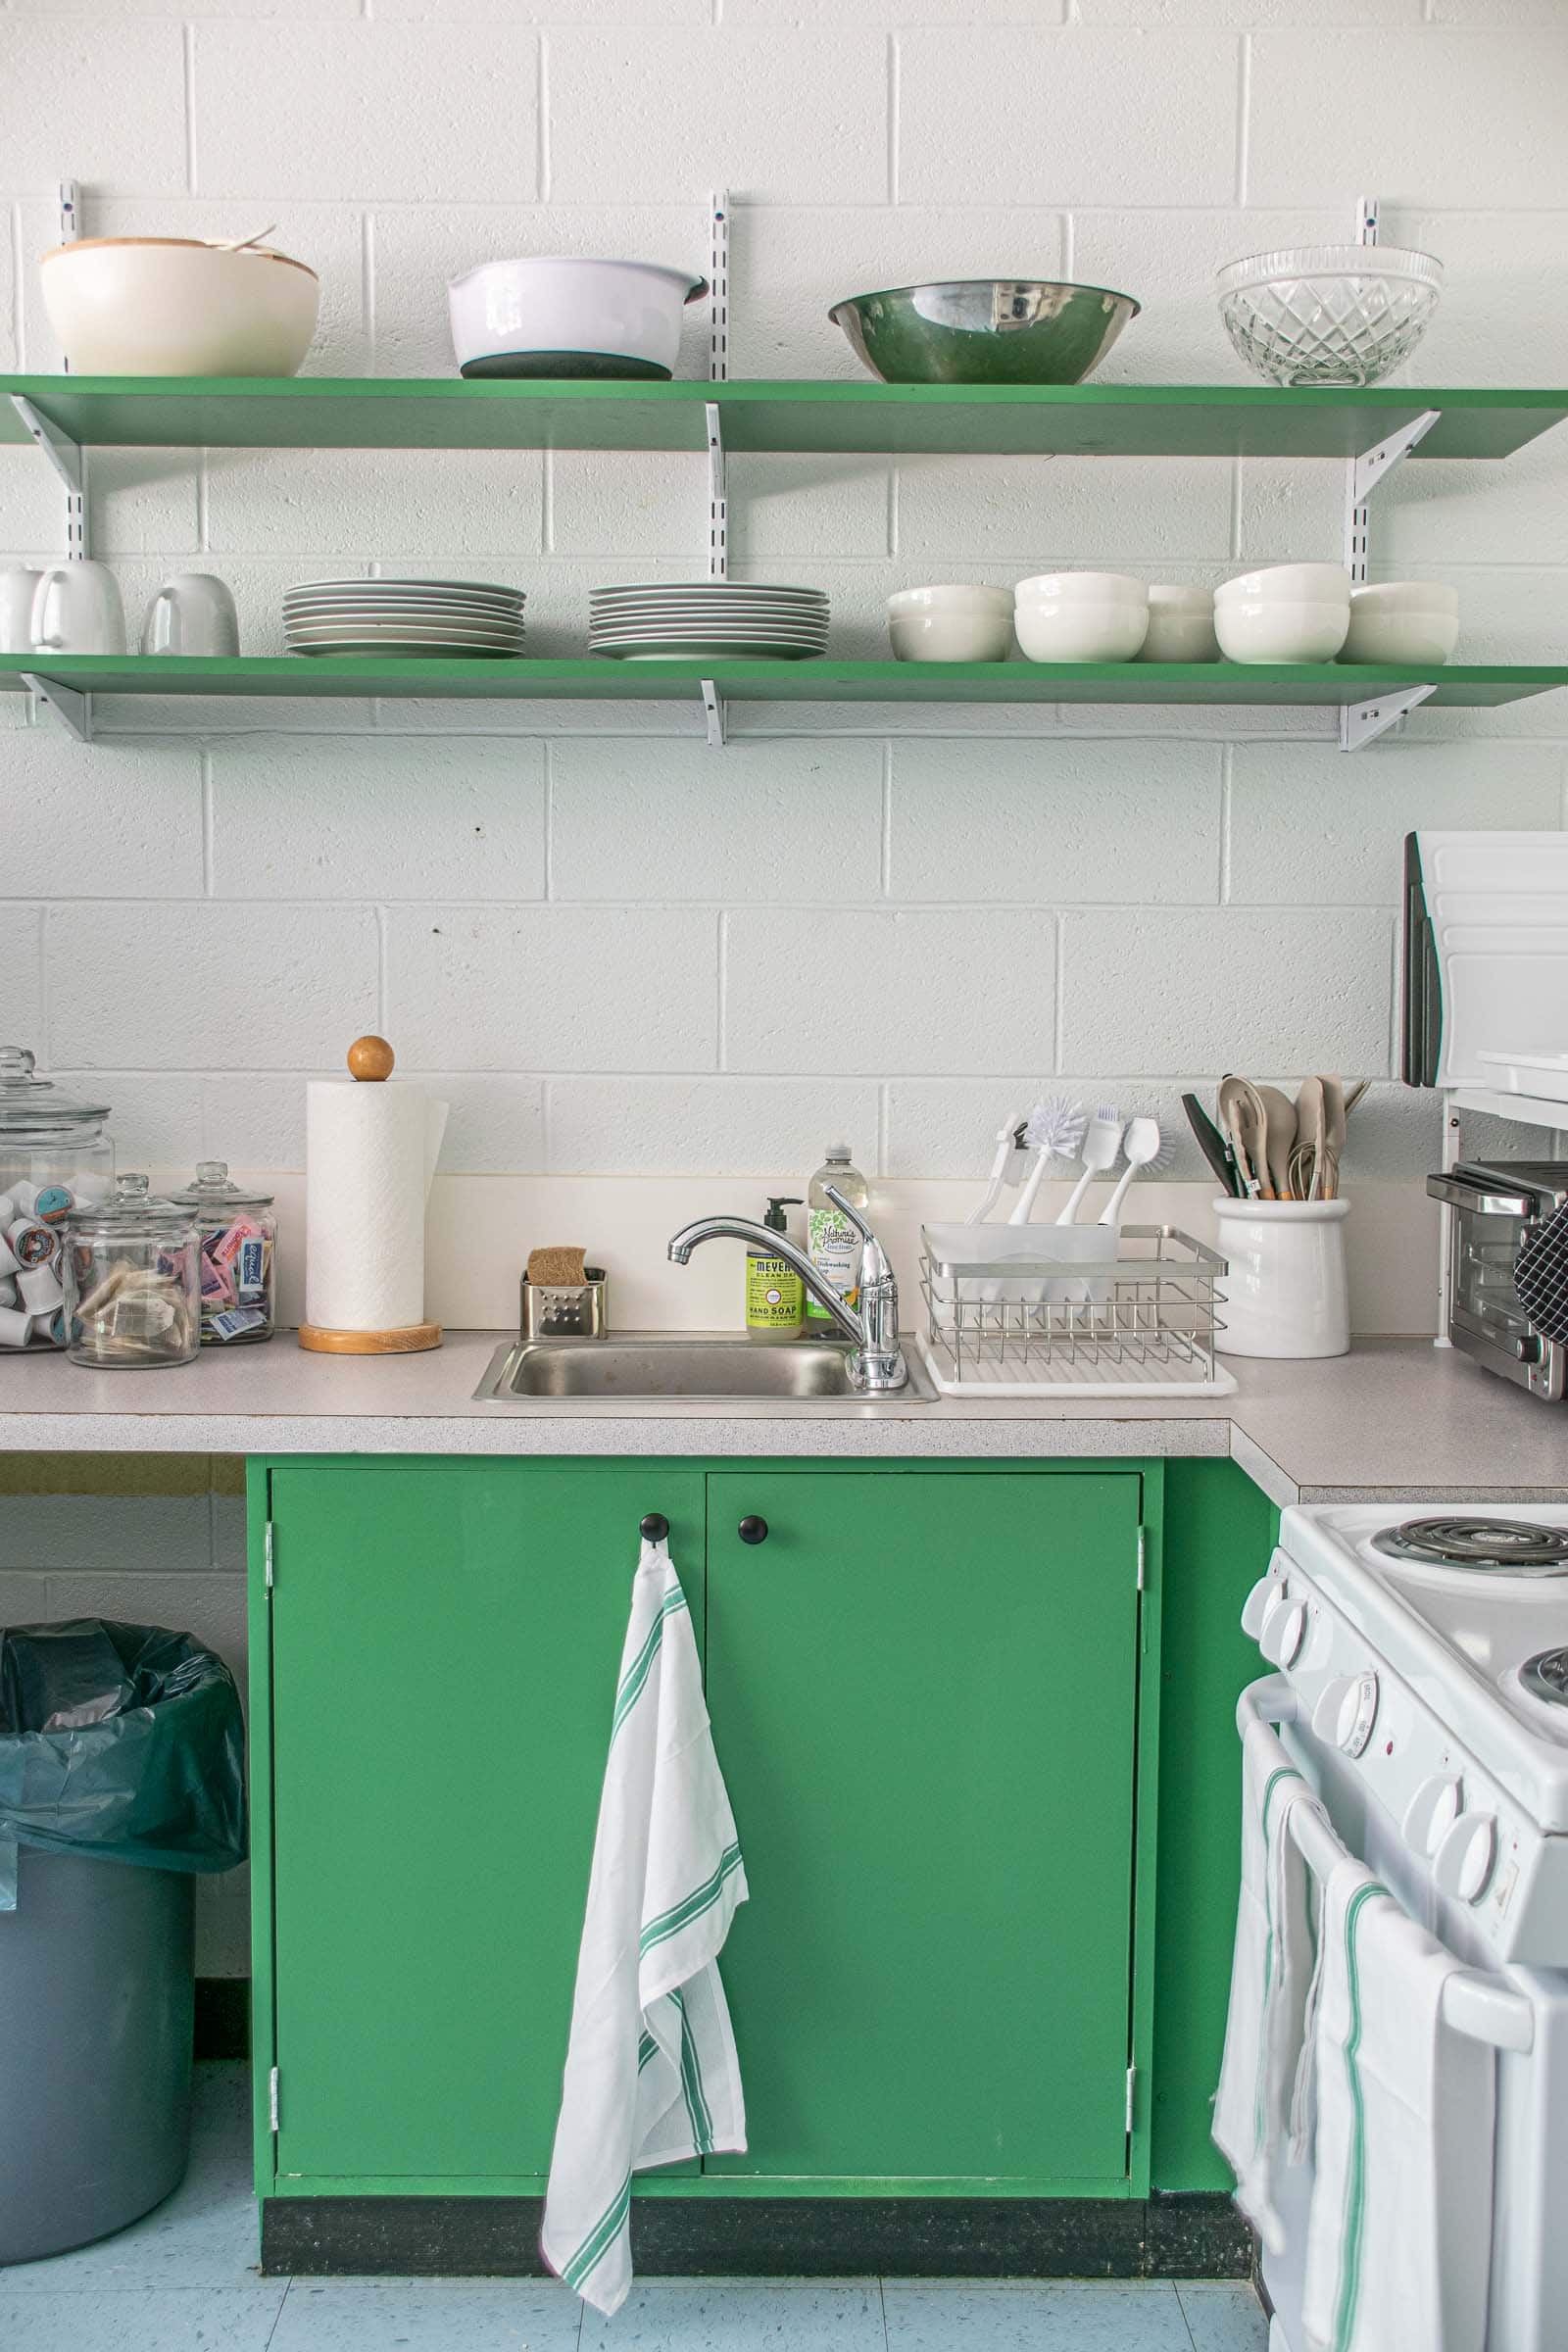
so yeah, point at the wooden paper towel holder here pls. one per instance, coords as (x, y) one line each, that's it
(370, 1060)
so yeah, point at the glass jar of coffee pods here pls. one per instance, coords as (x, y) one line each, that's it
(54, 1155)
(132, 1288)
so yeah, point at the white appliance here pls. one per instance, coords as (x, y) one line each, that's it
(1486, 951)
(1422, 1688)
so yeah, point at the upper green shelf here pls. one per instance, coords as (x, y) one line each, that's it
(1458, 686)
(1176, 420)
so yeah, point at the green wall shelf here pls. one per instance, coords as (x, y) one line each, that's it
(1463, 686)
(1180, 421)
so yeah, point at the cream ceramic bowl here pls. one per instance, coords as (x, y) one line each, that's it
(172, 306)
(1387, 622)
(1277, 629)
(1080, 631)
(1292, 583)
(955, 623)
(1082, 587)
(1181, 626)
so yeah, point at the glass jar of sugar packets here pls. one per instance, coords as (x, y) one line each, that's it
(54, 1155)
(132, 1289)
(238, 1233)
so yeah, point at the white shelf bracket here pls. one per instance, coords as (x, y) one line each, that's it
(718, 373)
(1363, 723)
(717, 496)
(713, 716)
(72, 709)
(65, 455)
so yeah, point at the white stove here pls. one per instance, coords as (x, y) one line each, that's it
(1430, 1659)
(1426, 1654)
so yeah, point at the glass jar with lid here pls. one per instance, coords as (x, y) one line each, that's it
(238, 1231)
(132, 1289)
(54, 1156)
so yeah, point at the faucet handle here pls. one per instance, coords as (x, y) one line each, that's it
(850, 1211)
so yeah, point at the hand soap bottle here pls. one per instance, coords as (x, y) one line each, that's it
(832, 1242)
(773, 1290)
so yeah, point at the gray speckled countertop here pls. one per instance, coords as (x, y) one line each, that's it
(1395, 1419)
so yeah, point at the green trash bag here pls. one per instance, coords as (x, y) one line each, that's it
(123, 1743)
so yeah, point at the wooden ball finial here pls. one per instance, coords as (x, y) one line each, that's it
(370, 1057)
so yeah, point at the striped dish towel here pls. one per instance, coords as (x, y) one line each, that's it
(652, 2076)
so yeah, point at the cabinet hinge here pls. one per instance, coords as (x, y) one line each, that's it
(1142, 1555)
(266, 1556)
(272, 2100)
(1132, 2096)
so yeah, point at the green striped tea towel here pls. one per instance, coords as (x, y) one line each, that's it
(652, 2076)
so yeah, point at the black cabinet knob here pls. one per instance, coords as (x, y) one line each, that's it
(753, 1531)
(655, 1528)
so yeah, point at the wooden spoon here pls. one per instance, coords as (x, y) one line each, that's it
(1279, 1138)
(1241, 1117)
(1309, 1132)
(1335, 1115)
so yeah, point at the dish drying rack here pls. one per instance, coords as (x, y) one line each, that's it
(1142, 1320)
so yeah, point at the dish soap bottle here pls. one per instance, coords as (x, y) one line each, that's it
(773, 1289)
(832, 1242)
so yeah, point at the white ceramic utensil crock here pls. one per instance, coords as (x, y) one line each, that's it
(192, 613)
(76, 610)
(559, 317)
(1287, 1293)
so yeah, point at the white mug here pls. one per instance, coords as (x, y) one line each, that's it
(76, 610)
(18, 588)
(192, 613)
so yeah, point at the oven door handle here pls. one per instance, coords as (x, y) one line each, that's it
(1482, 2008)
(1483, 1202)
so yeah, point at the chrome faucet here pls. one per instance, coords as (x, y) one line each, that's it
(876, 1365)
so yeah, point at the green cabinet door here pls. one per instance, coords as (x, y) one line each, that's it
(445, 1638)
(923, 1688)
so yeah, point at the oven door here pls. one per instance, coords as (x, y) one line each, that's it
(1522, 2013)
(1485, 1316)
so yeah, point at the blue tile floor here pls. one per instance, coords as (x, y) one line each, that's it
(184, 2280)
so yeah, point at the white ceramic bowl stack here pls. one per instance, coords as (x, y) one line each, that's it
(708, 620)
(1402, 621)
(470, 619)
(1288, 612)
(1181, 626)
(952, 624)
(1081, 617)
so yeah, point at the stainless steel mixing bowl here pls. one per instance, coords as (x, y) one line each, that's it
(985, 330)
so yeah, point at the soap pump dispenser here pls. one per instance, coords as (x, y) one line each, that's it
(775, 1295)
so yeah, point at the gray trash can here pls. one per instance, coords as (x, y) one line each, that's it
(120, 1775)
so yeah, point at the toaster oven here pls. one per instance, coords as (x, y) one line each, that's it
(1495, 1203)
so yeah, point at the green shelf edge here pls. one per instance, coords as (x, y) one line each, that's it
(826, 417)
(1460, 686)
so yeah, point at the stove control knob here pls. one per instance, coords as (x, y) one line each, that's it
(1283, 1631)
(1347, 1711)
(1432, 1811)
(1256, 1604)
(1467, 1857)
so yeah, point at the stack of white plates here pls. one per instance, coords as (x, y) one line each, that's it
(432, 618)
(704, 620)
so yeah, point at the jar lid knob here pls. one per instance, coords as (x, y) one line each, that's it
(370, 1057)
(129, 1187)
(15, 1062)
(210, 1173)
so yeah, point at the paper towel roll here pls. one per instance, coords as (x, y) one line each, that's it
(369, 1156)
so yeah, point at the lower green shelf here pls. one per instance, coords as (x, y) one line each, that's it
(816, 681)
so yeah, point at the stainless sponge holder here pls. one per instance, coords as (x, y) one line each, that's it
(564, 1310)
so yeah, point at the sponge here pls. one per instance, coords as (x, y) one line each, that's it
(560, 1267)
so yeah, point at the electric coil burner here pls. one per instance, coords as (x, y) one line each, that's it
(1547, 1676)
(1488, 1546)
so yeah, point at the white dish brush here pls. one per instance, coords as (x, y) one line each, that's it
(1055, 1131)
(1100, 1149)
(1147, 1151)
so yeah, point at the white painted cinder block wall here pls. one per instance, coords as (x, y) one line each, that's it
(620, 954)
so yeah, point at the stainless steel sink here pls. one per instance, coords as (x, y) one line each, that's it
(684, 1367)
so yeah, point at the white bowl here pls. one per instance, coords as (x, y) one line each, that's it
(172, 305)
(959, 597)
(1092, 587)
(1181, 626)
(1075, 630)
(1271, 630)
(1407, 596)
(977, 632)
(1375, 635)
(1317, 583)
(548, 316)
